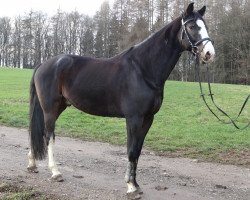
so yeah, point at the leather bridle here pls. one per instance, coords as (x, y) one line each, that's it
(193, 45)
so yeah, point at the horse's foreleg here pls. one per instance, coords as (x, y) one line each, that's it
(130, 177)
(56, 175)
(137, 129)
(32, 163)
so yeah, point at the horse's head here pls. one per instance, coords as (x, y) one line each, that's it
(193, 34)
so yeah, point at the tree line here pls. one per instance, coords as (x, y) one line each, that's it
(28, 40)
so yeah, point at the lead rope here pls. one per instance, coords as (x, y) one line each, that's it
(231, 121)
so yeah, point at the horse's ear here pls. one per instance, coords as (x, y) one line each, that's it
(202, 10)
(190, 9)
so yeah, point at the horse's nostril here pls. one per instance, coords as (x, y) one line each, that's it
(208, 55)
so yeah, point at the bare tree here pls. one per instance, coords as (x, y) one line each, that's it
(17, 42)
(29, 39)
(5, 34)
(87, 36)
(102, 19)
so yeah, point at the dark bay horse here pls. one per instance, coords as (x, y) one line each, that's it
(129, 85)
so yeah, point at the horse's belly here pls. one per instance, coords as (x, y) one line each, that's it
(99, 107)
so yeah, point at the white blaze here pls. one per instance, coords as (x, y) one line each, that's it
(208, 44)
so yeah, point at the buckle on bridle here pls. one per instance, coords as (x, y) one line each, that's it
(195, 50)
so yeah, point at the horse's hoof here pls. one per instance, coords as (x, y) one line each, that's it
(133, 188)
(134, 192)
(133, 195)
(32, 169)
(57, 178)
(139, 190)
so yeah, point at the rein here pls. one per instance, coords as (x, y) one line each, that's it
(231, 121)
(194, 50)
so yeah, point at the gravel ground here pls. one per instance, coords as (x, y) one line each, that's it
(94, 170)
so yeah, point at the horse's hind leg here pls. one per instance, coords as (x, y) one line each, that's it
(137, 129)
(50, 119)
(32, 163)
(56, 174)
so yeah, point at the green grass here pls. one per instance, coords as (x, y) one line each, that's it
(183, 126)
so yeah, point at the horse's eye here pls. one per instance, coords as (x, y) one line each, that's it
(191, 27)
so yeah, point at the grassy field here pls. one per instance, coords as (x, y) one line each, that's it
(183, 126)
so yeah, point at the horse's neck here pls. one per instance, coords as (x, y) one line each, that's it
(158, 55)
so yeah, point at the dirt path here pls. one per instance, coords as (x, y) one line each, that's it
(95, 170)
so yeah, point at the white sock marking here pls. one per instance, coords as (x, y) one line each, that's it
(52, 163)
(31, 159)
(131, 187)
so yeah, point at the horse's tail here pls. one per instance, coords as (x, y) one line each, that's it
(36, 127)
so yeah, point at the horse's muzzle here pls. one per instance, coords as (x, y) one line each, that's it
(208, 53)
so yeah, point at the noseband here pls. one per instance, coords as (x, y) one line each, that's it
(194, 45)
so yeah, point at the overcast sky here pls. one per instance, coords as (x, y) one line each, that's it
(14, 8)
